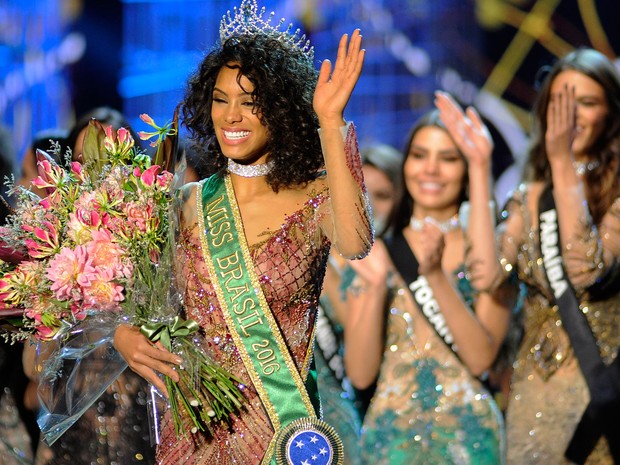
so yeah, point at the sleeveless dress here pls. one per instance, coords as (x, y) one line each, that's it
(548, 391)
(427, 409)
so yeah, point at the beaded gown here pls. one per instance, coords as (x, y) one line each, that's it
(548, 392)
(290, 265)
(427, 409)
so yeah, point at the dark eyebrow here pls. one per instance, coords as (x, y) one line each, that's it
(442, 152)
(216, 89)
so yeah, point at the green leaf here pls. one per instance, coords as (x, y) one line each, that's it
(94, 156)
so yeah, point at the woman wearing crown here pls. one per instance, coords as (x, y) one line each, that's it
(286, 184)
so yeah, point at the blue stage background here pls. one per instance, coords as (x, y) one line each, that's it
(59, 58)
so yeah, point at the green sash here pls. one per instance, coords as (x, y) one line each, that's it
(247, 314)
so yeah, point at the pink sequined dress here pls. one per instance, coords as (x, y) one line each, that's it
(290, 264)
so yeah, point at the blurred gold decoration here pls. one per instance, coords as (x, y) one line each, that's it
(594, 29)
(534, 27)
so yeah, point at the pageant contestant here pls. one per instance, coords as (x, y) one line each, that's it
(255, 236)
(562, 235)
(416, 323)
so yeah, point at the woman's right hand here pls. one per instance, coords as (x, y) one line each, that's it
(466, 129)
(431, 250)
(375, 267)
(146, 358)
(560, 126)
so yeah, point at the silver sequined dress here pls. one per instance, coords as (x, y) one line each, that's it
(549, 393)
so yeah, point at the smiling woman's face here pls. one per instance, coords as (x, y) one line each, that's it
(239, 130)
(434, 173)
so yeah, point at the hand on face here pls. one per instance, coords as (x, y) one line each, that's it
(334, 89)
(560, 124)
(466, 129)
(432, 244)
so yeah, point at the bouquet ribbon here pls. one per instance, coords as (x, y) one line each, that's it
(164, 332)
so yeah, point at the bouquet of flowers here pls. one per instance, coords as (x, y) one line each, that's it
(95, 252)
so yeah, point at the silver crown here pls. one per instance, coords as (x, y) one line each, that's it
(248, 21)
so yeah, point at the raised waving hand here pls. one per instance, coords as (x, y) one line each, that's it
(335, 86)
(474, 141)
(466, 129)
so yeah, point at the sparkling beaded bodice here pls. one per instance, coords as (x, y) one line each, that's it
(428, 409)
(290, 264)
(548, 391)
(545, 346)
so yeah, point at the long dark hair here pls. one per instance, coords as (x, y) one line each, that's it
(284, 79)
(602, 185)
(403, 208)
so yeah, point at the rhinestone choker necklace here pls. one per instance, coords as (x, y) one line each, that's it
(249, 171)
(444, 226)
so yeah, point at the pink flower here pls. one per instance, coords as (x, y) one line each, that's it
(106, 254)
(68, 270)
(164, 180)
(148, 177)
(45, 241)
(46, 323)
(46, 203)
(148, 120)
(78, 310)
(50, 174)
(124, 137)
(139, 215)
(161, 132)
(120, 144)
(109, 140)
(77, 230)
(45, 333)
(16, 284)
(102, 292)
(78, 171)
(85, 200)
(7, 289)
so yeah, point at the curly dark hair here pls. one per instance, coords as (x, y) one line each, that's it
(602, 183)
(284, 79)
